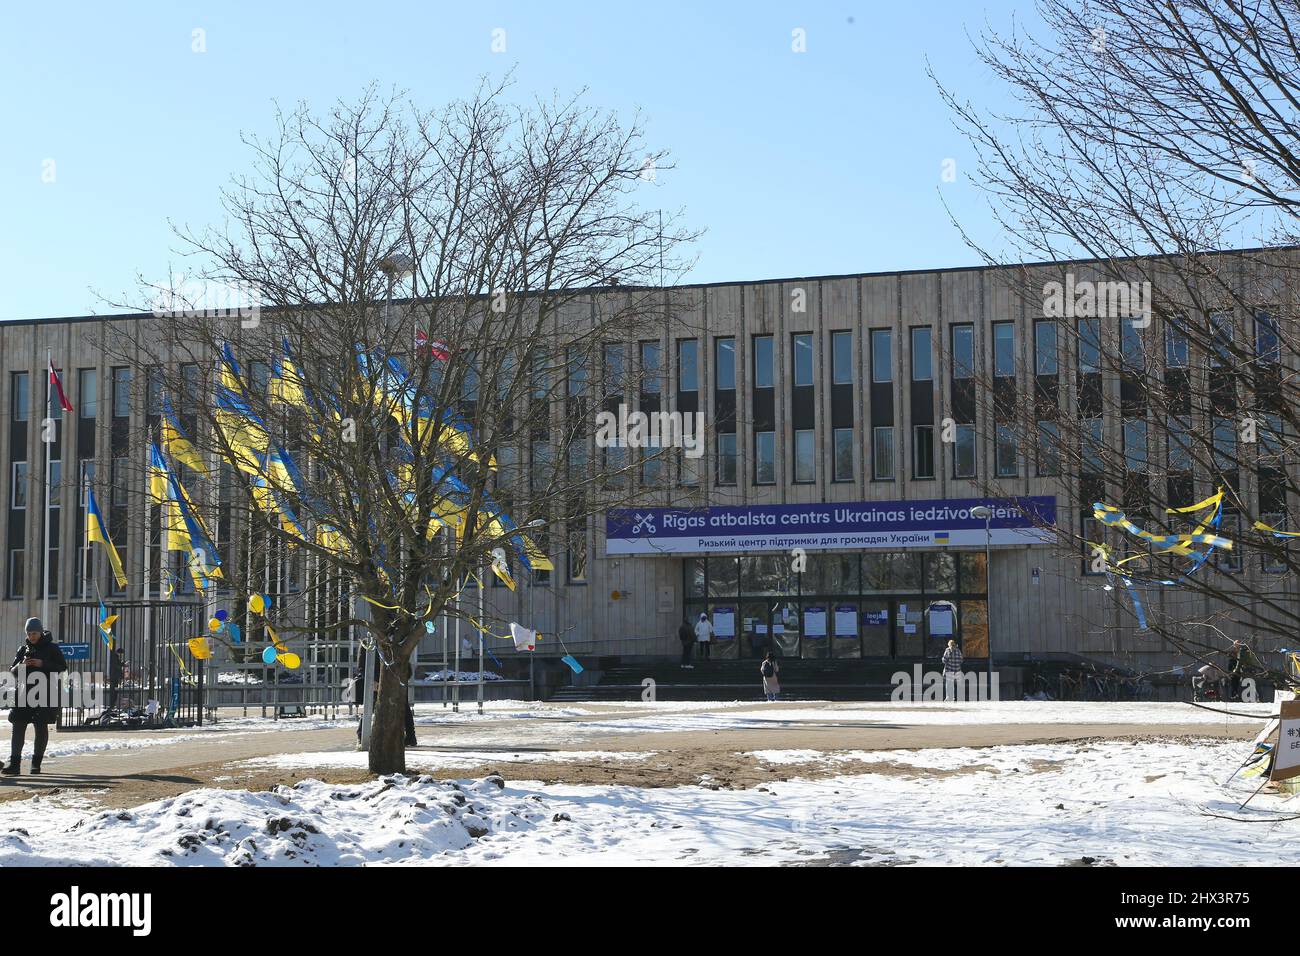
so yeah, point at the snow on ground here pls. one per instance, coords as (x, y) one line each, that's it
(449, 674)
(417, 760)
(83, 746)
(668, 718)
(508, 724)
(1116, 802)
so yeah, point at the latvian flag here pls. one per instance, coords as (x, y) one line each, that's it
(438, 350)
(58, 387)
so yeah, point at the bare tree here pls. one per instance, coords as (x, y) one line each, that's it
(1145, 138)
(390, 449)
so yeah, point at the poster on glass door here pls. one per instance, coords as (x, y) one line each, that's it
(846, 620)
(724, 622)
(814, 621)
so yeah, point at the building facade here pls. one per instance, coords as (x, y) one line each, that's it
(829, 516)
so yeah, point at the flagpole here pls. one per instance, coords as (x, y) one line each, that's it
(144, 550)
(85, 532)
(45, 541)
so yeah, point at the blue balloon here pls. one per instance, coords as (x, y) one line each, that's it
(268, 655)
(220, 615)
(428, 626)
(236, 633)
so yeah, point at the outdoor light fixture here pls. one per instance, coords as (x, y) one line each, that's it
(396, 266)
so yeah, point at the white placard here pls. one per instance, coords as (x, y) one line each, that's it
(846, 620)
(814, 621)
(941, 621)
(724, 622)
(1286, 757)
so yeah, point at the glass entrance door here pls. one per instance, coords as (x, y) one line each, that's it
(755, 629)
(877, 627)
(846, 626)
(785, 628)
(909, 627)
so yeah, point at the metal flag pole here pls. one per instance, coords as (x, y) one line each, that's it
(85, 530)
(144, 550)
(482, 616)
(45, 541)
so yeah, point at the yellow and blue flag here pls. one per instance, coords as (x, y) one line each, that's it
(97, 533)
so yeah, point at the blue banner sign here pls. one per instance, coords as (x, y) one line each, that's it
(75, 652)
(833, 526)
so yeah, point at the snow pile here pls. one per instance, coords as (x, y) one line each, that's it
(1103, 803)
(238, 677)
(442, 759)
(449, 674)
(397, 819)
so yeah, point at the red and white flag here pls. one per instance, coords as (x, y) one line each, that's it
(438, 350)
(58, 387)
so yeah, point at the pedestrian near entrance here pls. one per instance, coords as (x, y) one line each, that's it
(952, 663)
(770, 671)
(687, 636)
(116, 671)
(38, 655)
(703, 635)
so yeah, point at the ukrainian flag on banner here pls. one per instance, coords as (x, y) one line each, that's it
(242, 430)
(286, 385)
(177, 444)
(97, 533)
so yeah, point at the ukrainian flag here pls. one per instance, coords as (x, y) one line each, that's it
(177, 443)
(941, 537)
(97, 533)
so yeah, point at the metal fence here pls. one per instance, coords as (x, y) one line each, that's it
(151, 685)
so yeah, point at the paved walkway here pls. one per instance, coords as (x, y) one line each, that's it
(129, 767)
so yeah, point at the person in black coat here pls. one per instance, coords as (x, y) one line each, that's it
(38, 655)
(686, 634)
(116, 671)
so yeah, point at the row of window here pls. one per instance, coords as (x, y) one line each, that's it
(86, 396)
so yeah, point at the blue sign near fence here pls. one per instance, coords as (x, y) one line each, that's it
(844, 526)
(75, 652)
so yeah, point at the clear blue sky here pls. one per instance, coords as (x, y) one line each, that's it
(820, 162)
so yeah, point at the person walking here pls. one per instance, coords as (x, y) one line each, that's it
(687, 637)
(952, 662)
(116, 671)
(38, 655)
(770, 671)
(703, 635)
(1236, 667)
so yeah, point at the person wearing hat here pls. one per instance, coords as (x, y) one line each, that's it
(38, 655)
(703, 635)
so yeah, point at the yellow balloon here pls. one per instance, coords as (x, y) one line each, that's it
(200, 648)
(290, 660)
(256, 604)
(214, 624)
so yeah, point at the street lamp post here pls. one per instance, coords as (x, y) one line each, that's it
(983, 511)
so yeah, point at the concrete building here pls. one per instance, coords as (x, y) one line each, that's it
(826, 400)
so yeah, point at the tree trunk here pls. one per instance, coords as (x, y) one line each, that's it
(388, 728)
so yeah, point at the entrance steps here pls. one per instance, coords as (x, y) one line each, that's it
(841, 680)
